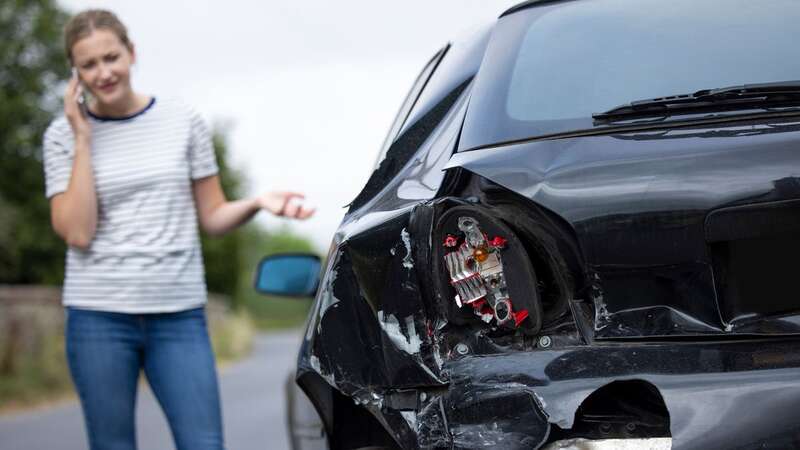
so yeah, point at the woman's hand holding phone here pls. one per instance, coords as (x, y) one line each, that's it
(74, 211)
(74, 108)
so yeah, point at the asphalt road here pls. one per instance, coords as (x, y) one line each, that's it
(252, 408)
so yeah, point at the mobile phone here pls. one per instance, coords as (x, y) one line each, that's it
(82, 95)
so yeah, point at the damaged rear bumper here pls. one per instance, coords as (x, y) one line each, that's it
(718, 395)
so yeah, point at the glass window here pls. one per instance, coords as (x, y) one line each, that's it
(409, 102)
(550, 67)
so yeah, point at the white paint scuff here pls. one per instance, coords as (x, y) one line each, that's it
(437, 357)
(411, 419)
(314, 361)
(408, 263)
(364, 397)
(540, 400)
(326, 300)
(391, 326)
(601, 317)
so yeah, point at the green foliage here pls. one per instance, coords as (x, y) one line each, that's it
(263, 243)
(230, 260)
(32, 63)
(232, 335)
(269, 312)
(222, 255)
(41, 376)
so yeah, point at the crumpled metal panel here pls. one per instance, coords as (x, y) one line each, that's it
(375, 333)
(638, 202)
(369, 331)
(719, 395)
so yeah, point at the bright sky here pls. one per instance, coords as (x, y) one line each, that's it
(310, 88)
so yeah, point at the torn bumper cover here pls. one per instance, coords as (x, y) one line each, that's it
(713, 397)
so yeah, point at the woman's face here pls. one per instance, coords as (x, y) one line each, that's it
(104, 66)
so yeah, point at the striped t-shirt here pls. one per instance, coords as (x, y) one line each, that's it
(145, 256)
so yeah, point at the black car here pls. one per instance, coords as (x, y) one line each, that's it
(583, 232)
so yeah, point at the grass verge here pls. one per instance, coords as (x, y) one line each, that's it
(232, 336)
(38, 378)
(277, 313)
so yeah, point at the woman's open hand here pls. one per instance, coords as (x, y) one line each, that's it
(282, 204)
(72, 110)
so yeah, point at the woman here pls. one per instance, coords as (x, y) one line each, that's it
(129, 177)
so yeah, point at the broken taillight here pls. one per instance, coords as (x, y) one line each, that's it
(475, 266)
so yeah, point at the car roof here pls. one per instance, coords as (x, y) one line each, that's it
(530, 3)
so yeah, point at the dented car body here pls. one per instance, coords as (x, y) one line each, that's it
(509, 279)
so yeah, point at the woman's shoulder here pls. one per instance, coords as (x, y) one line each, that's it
(177, 105)
(58, 129)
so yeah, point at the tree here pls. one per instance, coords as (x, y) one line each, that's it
(222, 255)
(230, 260)
(32, 64)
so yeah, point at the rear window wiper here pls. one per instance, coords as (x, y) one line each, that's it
(785, 93)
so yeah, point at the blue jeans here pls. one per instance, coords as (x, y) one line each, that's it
(106, 352)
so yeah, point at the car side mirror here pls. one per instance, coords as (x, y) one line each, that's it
(290, 275)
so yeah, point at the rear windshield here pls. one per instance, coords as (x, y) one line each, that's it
(548, 68)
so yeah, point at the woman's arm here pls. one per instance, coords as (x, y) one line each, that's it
(218, 216)
(73, 213)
